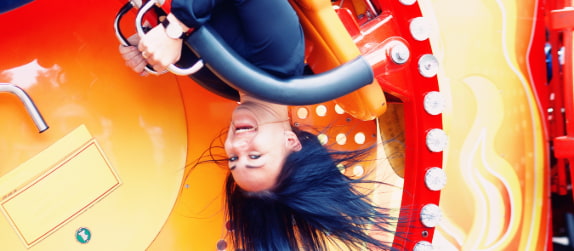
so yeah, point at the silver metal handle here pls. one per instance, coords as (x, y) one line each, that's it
(28, 103)
(123, 40)
(172, 68)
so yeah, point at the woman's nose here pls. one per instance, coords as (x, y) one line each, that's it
(240, 144)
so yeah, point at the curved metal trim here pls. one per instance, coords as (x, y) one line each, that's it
(28, 103)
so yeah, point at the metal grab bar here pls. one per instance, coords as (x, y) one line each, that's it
(300, 90)
(28, 103)
(172, 68)
(140, 29)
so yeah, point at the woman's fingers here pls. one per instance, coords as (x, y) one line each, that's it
(158, 49)
(133, 58)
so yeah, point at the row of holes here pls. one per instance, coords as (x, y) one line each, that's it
(320, 110)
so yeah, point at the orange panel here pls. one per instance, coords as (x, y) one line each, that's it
(65, 57)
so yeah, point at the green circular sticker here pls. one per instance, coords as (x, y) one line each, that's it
(83, 235)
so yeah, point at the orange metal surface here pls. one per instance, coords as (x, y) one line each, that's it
(152, 130)
(197, 219)
(66, 59)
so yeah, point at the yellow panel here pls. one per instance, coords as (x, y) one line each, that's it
(49, 190)
(496, 161)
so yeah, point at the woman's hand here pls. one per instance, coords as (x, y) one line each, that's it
(133, 56)
(159, 49)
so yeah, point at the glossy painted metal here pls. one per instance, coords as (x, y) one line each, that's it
(408, 82)
(65, 57)
(560, 109)
(197, 219)
(497, 162)
(28, 103)
(560, 22)
(153, 129)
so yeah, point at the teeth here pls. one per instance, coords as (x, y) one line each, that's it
(240, 130)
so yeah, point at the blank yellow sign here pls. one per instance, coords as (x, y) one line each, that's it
(58, 184)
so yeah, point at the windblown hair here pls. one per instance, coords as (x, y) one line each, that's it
(313, 204)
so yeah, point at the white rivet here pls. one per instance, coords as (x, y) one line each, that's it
(430, 215)
(341, 138)
(407, 2)
(423, 246)
(428, 66)
(360, 138)
(341, 168)
(435, 179)
(358, 171)
(399, 52)
(321, 110)
(420, 28)
(436, 140)
(434, 103)
(302, 113)
(339, 109)
(323, 138)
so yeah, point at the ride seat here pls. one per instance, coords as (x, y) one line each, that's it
(329, 45)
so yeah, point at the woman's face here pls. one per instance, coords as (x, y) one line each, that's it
(257, 144)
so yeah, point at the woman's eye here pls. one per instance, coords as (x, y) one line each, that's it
(254, 156)
(234, 158)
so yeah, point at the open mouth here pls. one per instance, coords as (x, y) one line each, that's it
(243, 120)
(244, 129)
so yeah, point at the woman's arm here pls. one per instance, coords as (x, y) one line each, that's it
(193, 13)
(158, 48)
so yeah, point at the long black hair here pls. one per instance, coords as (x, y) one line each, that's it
(312, 205)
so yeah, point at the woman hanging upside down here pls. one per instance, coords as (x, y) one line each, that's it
(284, 191)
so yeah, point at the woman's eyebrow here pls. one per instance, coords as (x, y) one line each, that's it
(247, 166)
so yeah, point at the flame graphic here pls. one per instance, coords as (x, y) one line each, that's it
(491, 179)
(495, 195)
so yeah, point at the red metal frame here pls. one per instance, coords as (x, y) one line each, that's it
(561, 23)
(407, 86)
(404, 84)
